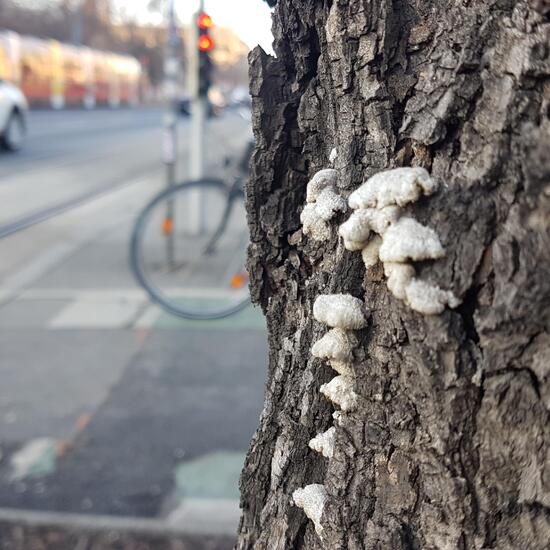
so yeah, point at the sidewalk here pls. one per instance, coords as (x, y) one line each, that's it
(110, 407)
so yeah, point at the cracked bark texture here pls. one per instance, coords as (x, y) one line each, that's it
(450, 447)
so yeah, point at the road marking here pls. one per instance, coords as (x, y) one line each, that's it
(84, 314)
(36, 268)
(148, 319)
(36, 458)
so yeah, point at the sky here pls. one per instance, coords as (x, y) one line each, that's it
(249, 19)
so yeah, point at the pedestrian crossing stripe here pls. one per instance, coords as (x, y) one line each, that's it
(119, 309)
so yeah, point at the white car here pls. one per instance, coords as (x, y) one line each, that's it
(13, 116)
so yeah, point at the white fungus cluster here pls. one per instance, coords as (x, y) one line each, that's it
(322, 204)
(343, 314)
(340, 311)
(324, 442)
(377, 228)
(340, 391)
(312, 500)
(399, 186)
(336, 345)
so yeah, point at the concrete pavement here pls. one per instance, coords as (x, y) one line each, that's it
(108, 406)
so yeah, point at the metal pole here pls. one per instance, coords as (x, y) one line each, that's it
(197, 214)
(171, 69)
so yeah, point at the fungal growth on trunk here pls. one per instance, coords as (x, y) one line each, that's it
(377, 229)
(340, 311)
(400, 239)
(312, 500)
(344, 314)
(399, 186)
(323, 202)
(335, 346)
(324, 442)
(340, 391)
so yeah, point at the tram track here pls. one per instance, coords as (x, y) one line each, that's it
(43, 214)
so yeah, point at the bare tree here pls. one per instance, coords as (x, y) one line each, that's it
(449, 443)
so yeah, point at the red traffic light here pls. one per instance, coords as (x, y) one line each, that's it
(204, 21)
(205, 43)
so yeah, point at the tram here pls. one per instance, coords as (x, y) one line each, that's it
(59, 75)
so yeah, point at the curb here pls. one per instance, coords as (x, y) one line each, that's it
(64, 531)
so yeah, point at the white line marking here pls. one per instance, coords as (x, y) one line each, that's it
(89, 314)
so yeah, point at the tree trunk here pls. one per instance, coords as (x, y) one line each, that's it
(450, 444)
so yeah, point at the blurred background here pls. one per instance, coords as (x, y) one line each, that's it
(109, 404)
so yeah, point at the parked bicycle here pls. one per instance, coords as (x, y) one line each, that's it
(188, 246)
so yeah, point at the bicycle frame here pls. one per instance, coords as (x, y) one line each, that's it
(235, 191)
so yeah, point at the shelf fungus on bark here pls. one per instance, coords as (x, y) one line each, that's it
(343, 313)
(398, 240)
(312, 500)
(371, 252)
(336, 345)
(322, 204)
(324, 442)
(340, 391)
(399, 275)
(399, 186)
(429, 299)
(321, 180)
(407, 239)
(340, 311)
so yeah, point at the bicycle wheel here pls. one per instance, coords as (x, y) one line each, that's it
(188, 250)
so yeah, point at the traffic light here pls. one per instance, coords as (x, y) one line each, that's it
(205, 44)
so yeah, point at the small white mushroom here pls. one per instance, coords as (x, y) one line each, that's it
(342, 367)
(398, 186)
(399, 276)
(380, 219)
(340, 311)
(370, 253)
(312, 499)
(313, 225)
(328, 203)
(324, 442)
(356, 230)
(340, 391)
(407, 239)
(336, 344)
(322, 179)
(333, 155)
(323, 203)
(354, 246)
(429, 299)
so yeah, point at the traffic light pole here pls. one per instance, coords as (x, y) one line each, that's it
(197, 210)
(171, 66)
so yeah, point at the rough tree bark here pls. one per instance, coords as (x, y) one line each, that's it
(450, 447)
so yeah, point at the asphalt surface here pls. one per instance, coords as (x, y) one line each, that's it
(107, 404)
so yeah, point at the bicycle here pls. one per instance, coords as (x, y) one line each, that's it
(198, 272)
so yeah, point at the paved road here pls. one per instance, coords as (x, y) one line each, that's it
(108, 405)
